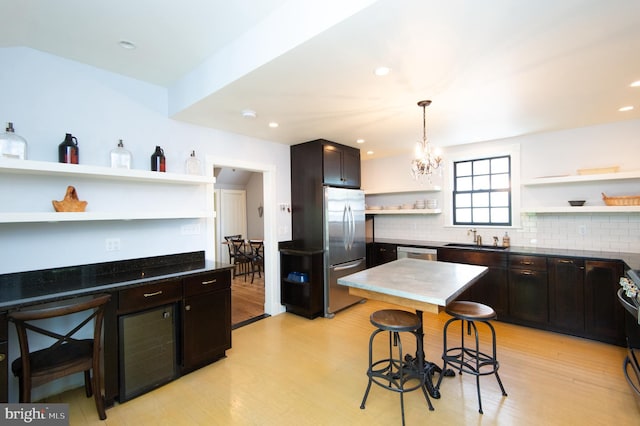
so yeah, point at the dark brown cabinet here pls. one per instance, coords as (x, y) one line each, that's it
(528, 291)
(200, 307)
(382, 253)
(566, 294)
(341, 165)
(206, 319)
(303, 297)
(603, 314)
(4, 363)
(492, 288)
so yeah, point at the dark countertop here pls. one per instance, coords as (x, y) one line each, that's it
(32, 287)
(632, 260)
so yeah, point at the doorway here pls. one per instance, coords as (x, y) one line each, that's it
(267, 209)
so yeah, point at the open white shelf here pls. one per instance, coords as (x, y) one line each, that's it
(560, 180)
(431, 188)
(116, 178)
(404, 211)
(94, 216)
(45, 168)
(583, 209)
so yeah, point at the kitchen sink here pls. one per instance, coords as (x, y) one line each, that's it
(475, 246)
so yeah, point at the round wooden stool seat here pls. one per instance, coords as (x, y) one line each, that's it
(470, 311)
(395, 320)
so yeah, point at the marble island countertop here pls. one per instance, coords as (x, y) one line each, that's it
(427, 282)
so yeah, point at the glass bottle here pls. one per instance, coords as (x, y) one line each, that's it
(158, 160)
(12, 145)
(68, 151)
(506, 240)
(192, 164)
(120, 157)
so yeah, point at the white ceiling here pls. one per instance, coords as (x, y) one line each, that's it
(493, 68)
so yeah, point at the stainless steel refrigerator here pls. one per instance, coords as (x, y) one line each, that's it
(344, 244)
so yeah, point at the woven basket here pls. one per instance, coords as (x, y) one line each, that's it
(627, 200)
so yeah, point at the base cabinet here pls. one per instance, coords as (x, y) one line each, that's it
(566, 294)
(203, 325)
(604, 315)
(382, 253)
(492, 288)
(4, 363)
(206, 319)
(528, 290)
(302, 297)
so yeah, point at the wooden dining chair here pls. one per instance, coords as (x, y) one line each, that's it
(67, 355)
(241, 259)
(256, 257)
(231, 249)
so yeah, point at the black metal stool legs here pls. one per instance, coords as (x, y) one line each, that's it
(471, 360)
(393, 373)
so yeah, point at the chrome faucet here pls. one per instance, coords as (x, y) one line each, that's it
(475, 236)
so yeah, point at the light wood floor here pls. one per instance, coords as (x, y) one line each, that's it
(287, 370)
(247, 298)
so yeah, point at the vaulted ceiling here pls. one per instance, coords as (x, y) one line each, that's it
(493, 69)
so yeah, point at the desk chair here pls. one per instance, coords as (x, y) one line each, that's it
(66, 355)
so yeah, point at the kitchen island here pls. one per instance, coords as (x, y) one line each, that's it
(426, 286)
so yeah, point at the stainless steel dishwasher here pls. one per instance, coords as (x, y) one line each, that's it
(404, 252)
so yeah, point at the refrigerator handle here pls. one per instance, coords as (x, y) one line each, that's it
(353, 228)
(350, 265)
(346, 227)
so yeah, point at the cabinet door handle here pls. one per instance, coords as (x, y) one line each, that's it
(565, 261)
(209, 282)
(156, 293)
(527, 273)
(2, 357)
(187, 308)
(525, 262)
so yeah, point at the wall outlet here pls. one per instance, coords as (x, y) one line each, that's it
(190, 229)
(582, 230)
(112, 244)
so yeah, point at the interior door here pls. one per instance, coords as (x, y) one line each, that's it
(233, 216)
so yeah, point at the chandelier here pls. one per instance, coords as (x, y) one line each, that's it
(425, 161)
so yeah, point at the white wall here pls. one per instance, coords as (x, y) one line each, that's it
(553, 153)
(46, 97)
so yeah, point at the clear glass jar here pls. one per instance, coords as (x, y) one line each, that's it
(120, 157)
(192, 165)
(12, 145)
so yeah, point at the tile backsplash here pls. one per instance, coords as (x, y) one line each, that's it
(611, 232)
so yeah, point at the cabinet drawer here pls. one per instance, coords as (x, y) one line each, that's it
(204, 283)
(536, 263)
(148, 296)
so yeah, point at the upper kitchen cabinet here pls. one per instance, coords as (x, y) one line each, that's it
(325, 163)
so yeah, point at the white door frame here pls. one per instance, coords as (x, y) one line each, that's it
(272, 305)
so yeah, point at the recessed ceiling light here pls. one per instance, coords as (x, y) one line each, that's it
(359, 140)
(382, 71)
(635, 84)
(369, 152)
(625, 108)
(248, 113)
(273, 124)
(125, 44)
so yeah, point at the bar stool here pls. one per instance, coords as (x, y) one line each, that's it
(467, 359)
(392, 373)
